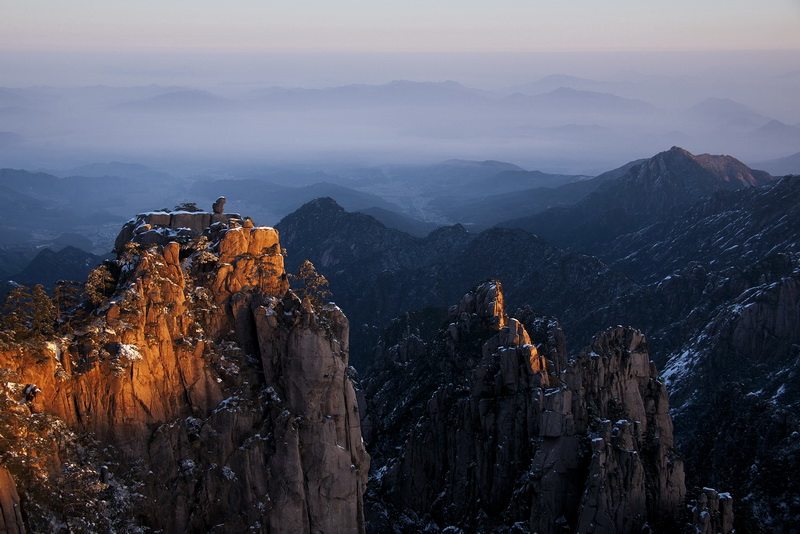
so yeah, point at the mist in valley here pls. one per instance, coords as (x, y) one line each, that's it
(417, 140)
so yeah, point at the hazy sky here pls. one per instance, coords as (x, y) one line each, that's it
(407, 25)
(672, 54)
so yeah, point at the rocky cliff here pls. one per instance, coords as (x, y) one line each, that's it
(192, 393)
(745, 433)
(486, 427)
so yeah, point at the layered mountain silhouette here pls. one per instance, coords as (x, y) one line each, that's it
(549, 190)
(378, 272)
(48, 267)
(781, 166)
(703, 258)
(728, 113)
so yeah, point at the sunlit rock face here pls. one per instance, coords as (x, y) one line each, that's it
(486, 426)
(161, 227)
(217, 397)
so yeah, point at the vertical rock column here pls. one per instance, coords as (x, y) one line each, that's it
(320, 450)
(10, 512)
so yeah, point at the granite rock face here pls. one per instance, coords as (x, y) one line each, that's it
(162, 227)
(11, 520)
(219, 205)
(210, 391)
(712, 512)
(484, 432)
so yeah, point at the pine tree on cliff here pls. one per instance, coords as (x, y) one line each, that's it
(29, 316)
(99, 285)
(315, 285)
(186, 206)
(66, 297)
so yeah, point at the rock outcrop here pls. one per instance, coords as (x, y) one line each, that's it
(217, 398)
(219, 205)
(482, 429)
(162, 227)
(712, 512)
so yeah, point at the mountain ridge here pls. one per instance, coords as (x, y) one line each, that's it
(664, 184)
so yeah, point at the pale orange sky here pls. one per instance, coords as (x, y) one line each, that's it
(403, 26)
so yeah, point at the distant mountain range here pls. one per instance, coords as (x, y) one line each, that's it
(555, 81)
(118, 169)
(398, 92)
(782, 166)
(777, 131)
(75, 203)
(574, 101)
(190, 101)
(728, 113)
(24, 265)
(48, 267)
(559, 122)
(517, 202)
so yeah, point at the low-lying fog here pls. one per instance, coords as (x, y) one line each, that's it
(557, 113)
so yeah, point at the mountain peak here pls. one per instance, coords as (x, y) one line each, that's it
(706, 171)
(676, 150)
(674, 154)
(662, 186)
(322, 205)
(449, 231)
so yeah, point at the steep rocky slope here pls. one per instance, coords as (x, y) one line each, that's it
(746, 433)
(191, 393)
(485, 427)
(661, 187)
(725, 229)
